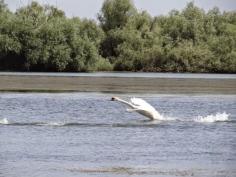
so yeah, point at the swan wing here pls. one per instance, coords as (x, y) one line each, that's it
(141, 104)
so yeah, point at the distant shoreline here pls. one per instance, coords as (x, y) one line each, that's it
(125, 74)
(110, 84)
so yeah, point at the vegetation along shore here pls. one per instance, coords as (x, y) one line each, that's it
(41, 38)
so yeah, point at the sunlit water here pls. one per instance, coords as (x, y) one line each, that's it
(85, 134)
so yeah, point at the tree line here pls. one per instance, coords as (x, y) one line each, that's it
(41, 38)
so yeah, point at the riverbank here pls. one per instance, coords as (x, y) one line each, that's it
(119, 83)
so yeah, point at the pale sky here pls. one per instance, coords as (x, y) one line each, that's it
(90, 8)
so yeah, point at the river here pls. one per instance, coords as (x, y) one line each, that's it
(85, 134)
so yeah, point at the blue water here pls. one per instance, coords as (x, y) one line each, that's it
(86, 134)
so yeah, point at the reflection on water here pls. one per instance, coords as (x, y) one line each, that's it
(85, 134)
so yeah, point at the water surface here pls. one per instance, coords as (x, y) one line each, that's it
(85, 134)
(126, 74)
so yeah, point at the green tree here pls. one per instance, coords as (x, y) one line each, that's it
(115, 14)
(9, 44)
(42, 38)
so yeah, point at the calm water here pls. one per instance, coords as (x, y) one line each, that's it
(85, 134)
(126, 74)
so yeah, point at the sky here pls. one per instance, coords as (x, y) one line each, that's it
(90, 8)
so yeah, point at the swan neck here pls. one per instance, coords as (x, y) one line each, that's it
(125, 102)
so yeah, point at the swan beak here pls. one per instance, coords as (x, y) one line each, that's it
(113, 99)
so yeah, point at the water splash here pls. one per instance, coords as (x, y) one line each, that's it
(169, 118)
(4, 121)
(218, 117)
(52, 124)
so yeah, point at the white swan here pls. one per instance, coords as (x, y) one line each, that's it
(140, 106)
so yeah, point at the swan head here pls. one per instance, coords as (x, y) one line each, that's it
(114, 98)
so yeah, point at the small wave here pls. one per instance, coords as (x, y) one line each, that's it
(77, 124)
(130, 171)
(218, 117)
(52, 124)
(4, 121)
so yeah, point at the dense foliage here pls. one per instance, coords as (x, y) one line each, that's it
(42, 38)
